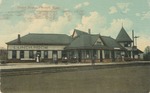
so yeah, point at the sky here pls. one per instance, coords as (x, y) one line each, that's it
(105, 17)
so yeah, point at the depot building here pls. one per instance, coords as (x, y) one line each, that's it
(81, 45)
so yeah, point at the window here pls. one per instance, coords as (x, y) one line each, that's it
(31, 55)
(107, 54)
(95, 53)
(45, 54)
(64, 53)
(38, 53)
(87, 54)
(21, 54)
(55, 52)
(99, 43)
(55, 56)
(14, 54)
(127, 44)
(71, 54)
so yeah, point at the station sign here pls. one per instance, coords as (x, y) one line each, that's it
(35, 47)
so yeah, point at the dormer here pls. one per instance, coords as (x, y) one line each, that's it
(77, 33)
(99, 42)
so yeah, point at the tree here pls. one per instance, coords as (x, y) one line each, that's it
(3, 53)
(147, 53)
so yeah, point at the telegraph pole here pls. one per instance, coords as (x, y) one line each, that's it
(133, 44)
(136, 39)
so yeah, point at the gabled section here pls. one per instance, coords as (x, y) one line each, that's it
(123, 36)
(81, 42)
(88, 41)
(99, 41)
(77, 33)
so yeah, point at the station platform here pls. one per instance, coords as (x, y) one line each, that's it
(42, 65)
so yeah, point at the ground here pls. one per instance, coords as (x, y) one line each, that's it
(127, 79)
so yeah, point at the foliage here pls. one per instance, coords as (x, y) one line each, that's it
(3, 54)
(147, 53)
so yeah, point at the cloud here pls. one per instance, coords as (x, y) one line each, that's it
(46, 26)
(116, 25)
(86, 3)
(0, 2)
(143, 40)
(35, 25)
(144, 15)
(94, 22)
(78, 6)
(148, 2)
(10, 31)
(15, 4)
(97, 24)
(113, 10)
(60, 25)
(138, 14)
(123, 7)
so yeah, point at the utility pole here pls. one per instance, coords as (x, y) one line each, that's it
(136, 39)
(133, 37)
(133, 44)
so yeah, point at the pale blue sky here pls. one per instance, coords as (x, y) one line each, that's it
(62, 16)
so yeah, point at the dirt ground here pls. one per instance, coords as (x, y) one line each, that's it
(132, 79)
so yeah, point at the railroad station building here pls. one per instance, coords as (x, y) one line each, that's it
(81, 45)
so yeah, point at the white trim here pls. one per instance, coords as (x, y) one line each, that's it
(18, 54)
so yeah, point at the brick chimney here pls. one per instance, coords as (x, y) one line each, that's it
(19, 41)
(89, 31)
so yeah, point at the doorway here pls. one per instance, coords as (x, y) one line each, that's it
(101, 56)
(55, 56)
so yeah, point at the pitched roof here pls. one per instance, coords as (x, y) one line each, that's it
(56, 39)
(111, 43)
(79, 32)
(123, 36)
(88, 42)
(83, 41)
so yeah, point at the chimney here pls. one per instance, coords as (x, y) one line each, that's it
(19, 41)
(89, 31)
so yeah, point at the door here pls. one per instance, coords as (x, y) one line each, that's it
(55, 56)
(113, 56)
(101, 56)
(80, 56)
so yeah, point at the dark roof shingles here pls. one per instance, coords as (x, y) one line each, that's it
(111, 43)
(43, 39)
(123, 36)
